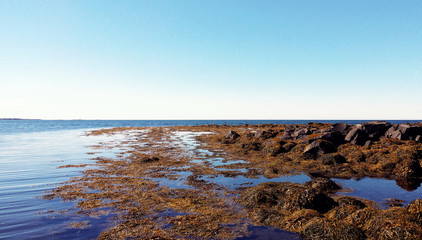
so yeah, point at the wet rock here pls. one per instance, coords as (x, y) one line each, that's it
(311, 198)
(273, 148)
(333, 137)
(409, 168)
(415, 207)
(289, 146)
(340, 128)
(300, 132)
(346, 200)
(404, 132)
(286, 136)
(332, 158)
(232, 135)
(317, 148)
(266, 134)
(149, 159)
(356, 135)
(322, 184)
(409, 184)
(376, 129)
(251, 146)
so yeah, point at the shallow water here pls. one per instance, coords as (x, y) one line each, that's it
(28, 168)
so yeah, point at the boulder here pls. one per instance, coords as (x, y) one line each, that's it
(300, 132)
(273, 148)
(317, 148)
(408, 168)
(285, 136)
(334, 137)
(332, 158)
(356, 135)
(232, 135)
(266, 134)
(340, 128)
(376, 129)
(404, 132)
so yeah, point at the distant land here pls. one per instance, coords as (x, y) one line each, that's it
(18, 119)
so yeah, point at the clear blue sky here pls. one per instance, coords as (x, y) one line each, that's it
(211, 59)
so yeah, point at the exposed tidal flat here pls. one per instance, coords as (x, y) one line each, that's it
(265, 181)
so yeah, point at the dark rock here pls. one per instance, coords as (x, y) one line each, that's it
(321, 184)
(408, 168)
(340, 128)
(232, 135)
(286, 136)
(273, 148)
(249, 135)
(415, 207)
(356, 135)
(346, 200)
(376, 129)
(408, 184)
(289, 146)
(335, 137)
(300, 132)
(313, 199)
(317, 148)
(266, 134)
(404, 132)
(252, 146)
(332, 158)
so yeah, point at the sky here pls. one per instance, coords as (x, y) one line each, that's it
(239, 59)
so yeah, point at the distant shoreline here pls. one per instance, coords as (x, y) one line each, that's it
(18, 119)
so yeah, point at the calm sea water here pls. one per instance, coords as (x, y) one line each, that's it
(31, 151)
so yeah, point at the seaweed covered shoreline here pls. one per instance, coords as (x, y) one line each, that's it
(136, 186)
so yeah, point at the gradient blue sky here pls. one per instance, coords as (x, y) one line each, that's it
(211, 59)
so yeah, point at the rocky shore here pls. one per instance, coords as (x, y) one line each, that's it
(197, 207)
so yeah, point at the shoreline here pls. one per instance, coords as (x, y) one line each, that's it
(197, 203)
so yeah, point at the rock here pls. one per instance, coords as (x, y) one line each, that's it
(346, 200)
(317, 148)
(409, 184)
(376, 129)
(418, 139)
(334, 137)
(252, 146)
(408, 168)
(332, 158)
(415, 207)
(273, 148)
(404, 132)
(311, 198)
(285, 136)
(300, 132)
(232, 135)
(321, 184)
(266, 134)
(356, 135)
(368, 143)
(289, 146)
(340, 128)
